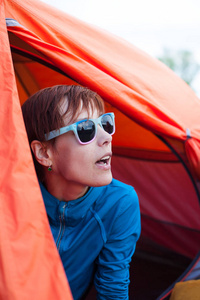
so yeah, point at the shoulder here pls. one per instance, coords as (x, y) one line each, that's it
(122, 217)
(122, 192)
(116, 198)
(121, 185)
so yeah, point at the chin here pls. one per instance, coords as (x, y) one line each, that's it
(104, 180)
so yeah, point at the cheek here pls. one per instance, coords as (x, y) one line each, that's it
(83, 157)
(74, 159)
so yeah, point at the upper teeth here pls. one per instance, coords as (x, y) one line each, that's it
(106, 157)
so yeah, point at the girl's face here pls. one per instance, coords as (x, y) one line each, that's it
(79, 166)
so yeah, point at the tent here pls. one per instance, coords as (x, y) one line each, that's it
(189, 276)
(156, 148)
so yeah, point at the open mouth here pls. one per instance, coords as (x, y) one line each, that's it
(104, 161)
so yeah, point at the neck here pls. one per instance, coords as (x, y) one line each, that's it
(64, 190)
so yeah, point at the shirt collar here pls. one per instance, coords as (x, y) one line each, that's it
(76, 209)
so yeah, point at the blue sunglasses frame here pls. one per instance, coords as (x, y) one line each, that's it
(73, 127)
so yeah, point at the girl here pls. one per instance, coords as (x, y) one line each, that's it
(94, 219)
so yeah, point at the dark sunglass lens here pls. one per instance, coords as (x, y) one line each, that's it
(86, 131)
(108, 124)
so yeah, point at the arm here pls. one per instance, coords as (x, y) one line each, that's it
(112, 275)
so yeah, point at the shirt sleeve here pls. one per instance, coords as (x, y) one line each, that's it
(112, 275)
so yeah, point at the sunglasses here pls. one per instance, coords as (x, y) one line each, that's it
(86, 130)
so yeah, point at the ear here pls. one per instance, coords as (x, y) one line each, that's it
(41, 153)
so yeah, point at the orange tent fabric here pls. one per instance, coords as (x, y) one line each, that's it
(149, 101)
(132, 82)
(30, 267)
(157, 141)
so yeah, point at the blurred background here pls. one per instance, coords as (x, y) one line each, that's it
(167, 30)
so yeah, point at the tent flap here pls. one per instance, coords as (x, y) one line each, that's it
(29, 263)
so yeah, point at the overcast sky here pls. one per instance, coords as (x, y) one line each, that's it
(151, 25)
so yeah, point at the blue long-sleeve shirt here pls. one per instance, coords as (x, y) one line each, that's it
(96, 237)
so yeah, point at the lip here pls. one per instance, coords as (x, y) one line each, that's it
(104, 163)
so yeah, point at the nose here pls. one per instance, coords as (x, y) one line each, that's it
(103, 137)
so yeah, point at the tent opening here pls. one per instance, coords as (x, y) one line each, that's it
(168, 241)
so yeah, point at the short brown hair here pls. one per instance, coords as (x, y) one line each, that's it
(42, 113)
